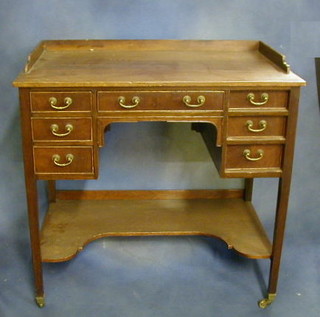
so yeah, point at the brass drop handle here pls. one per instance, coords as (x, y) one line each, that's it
(247, 153)
(187, 99)
(53, 103)
(55, 128)
(56, 160)
(262, 126)
(264, 99)
(135, 101)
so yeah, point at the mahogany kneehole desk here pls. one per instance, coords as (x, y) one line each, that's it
(240, 95)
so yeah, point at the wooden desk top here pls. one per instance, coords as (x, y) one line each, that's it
(155, 63)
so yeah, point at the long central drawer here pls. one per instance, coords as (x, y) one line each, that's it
(160, 100)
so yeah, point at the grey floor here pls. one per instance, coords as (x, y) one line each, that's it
(169, 276)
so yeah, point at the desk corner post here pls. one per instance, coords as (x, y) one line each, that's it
(31, 195)
(33, 215)
(248, 189)
(52, 191)
(283, 191)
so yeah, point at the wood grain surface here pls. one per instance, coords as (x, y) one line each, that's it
(71, 224)
(153, 63)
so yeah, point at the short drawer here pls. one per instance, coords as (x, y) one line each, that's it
(256, 126)
(61, 101)
(63, 160)
(61, 129)
(253, 156)
(257, 99)
(160, 100)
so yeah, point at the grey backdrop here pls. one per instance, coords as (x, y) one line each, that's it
(162, 276)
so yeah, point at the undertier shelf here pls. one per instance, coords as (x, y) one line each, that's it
(71, 224)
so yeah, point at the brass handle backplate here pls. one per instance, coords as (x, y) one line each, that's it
(247, 155)
(53, 103)
(264, 99)
(135, 101)
(56, 160)
(187, 99)
(262, 126)
(55, 128)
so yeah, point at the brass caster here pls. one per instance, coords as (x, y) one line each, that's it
(265, 302)
(40, 301)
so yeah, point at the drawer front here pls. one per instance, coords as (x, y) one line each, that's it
(61, 101)
(256, 126)
(253, 156)
(258, 99)
(151, 100)
(61, 129)
(63, 160)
